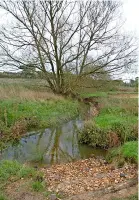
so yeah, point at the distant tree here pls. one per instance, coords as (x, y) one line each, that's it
(134, 83)
(28, 71)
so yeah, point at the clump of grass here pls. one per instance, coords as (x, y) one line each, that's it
(8, 168)
(26, 172)
(126, 152)
(38, 186)
(2, 196)
(115, 124)
(13, 168)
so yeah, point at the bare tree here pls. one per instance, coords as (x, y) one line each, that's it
(61, 37)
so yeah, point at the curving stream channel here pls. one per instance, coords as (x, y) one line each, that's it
(52, 145)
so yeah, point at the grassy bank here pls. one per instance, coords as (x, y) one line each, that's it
(46, 113)
(115, 124)
(127, 152)
(18, 117)
(25, 105)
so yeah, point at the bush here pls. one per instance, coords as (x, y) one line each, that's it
(93, 135)
(125, 132)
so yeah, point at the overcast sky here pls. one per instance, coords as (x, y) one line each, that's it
(131, 13)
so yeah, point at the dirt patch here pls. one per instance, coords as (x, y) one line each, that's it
(19, 190)
(100, 194)
(86, 175)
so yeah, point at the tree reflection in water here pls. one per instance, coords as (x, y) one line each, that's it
(52, 145)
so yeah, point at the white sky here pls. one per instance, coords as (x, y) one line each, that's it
(131, 13)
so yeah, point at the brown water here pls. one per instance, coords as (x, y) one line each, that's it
(52, 145)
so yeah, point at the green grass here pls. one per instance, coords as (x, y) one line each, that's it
(117, 111)
(38, 186)
(13, 168)
(128, 152)
(107, 120)
(95, 94)
(2, 196)
(105, 94)
(118, 117)
(46, 112)
(11, 171)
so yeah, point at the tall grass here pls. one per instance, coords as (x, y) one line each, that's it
(23, 93)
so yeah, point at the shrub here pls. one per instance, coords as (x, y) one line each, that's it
(125, 132)
(93, 135)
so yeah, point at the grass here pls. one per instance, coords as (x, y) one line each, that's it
(128, 151)
(108, 93)
(132, 197)
(13, 168)
(46, 112)
(119, 115)
(38, 186)
(2, 196)
(28, 105)
(12, 171)
(115, 124)
(95, 94)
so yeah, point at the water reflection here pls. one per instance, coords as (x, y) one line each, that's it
(53, 145)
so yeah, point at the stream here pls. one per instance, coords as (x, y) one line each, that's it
(52, 145)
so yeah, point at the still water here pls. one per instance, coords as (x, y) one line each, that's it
(52, 145)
